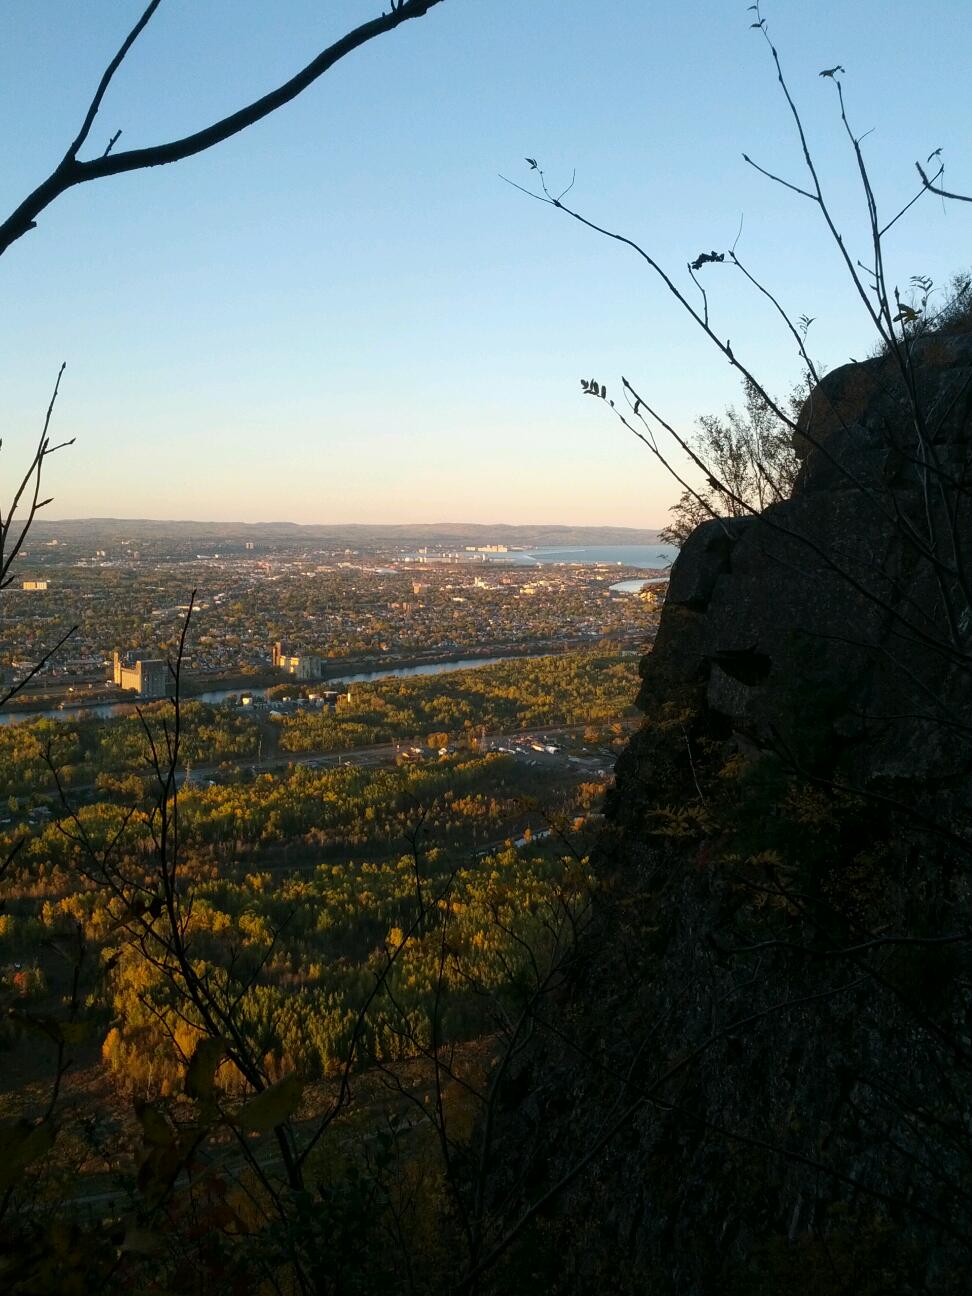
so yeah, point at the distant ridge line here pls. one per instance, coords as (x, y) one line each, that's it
(527, 535)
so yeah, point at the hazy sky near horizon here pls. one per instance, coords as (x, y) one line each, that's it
(344, 314)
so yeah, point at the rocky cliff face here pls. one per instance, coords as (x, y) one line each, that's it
(827, 619)
(761, 1080)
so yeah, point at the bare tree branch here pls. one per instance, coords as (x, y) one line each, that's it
(936, 189)
(70, 171)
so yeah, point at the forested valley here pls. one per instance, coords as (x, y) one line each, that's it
(345, 922)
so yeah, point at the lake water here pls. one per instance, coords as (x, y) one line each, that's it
(104, 709)
(650, 557)
(636, 586)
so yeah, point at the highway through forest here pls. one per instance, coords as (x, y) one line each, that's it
(386, 753)
(382, 753)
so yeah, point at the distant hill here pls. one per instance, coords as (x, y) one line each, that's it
(351, 534)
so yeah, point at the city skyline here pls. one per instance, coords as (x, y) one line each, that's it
(344, 315)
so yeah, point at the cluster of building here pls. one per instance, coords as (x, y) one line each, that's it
(137, 672)
(303, 666)
(298, 611)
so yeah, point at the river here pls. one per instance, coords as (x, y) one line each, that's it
(105, 709)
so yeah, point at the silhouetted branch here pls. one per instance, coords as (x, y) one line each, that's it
(70, 171)
(13, 534)
(936, 189)
(37, 667)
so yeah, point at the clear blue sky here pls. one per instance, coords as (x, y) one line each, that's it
(343, 314)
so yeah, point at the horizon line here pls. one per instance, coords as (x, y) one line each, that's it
(591, 526)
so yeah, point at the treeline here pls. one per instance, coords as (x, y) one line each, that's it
(569, 689)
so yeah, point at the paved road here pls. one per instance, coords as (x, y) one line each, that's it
(382, 753)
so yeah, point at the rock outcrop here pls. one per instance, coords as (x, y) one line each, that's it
(762, 1078)
(827, 619)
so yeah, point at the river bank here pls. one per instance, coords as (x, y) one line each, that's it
(219, 687)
